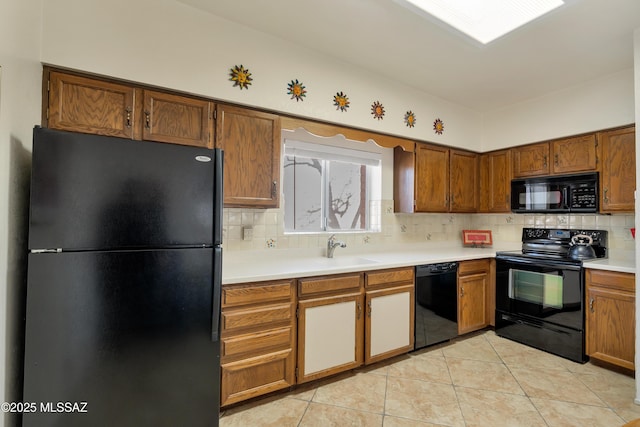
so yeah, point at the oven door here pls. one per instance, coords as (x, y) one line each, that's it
(542, 290)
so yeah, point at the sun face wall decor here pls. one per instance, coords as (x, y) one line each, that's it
(240, 77)
(410, 119)
(438, 126)
(297, 90)
(377, 110)
(341, 101)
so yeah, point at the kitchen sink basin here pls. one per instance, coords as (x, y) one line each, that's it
(343, 261)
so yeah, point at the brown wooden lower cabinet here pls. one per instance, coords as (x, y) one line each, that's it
(389, 320)
(473, 284)
(258, 339)
(330, 325)
(610, 318)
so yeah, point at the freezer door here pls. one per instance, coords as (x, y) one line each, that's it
(100, 192)
(129, 333)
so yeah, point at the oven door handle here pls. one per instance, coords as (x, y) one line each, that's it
(539, 262)
(535, 325)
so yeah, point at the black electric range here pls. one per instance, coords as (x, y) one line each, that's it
(540, 291)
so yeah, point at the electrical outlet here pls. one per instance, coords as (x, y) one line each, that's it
(247, 233)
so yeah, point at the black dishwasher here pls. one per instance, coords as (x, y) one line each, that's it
(436, 307)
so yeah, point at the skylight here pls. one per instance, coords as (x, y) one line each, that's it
(483, 20)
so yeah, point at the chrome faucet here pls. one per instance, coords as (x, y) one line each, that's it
(332, 244)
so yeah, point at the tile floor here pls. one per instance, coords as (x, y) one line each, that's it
(483, 380)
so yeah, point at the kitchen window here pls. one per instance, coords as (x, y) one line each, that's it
(330, 188)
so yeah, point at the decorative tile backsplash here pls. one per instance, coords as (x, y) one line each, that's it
(268, 228)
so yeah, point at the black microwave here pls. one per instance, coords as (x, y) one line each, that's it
(556, 194)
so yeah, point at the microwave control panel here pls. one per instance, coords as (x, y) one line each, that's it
(584, 197)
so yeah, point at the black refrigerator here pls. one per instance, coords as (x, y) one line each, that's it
(124, 281)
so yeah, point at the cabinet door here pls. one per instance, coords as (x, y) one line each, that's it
(611, 326)
(255, 376)
(531, 160)
(330, 336)
(389, 323)
(618, 170)
(432, 178)
(576, 154)
(464, 181)
(495, 181)
(177, 119)
(471, 302)
(80, 104)
(251, 144)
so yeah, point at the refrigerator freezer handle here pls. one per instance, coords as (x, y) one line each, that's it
(217, 290)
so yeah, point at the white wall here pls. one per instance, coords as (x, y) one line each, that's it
(169, 44)
(176, 46)
(603, 103)
(20, 98)
(636, 56)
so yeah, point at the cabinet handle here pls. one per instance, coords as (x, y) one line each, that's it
(461, 291)
(544, 161)
(606, 199)
(369, 309)
(128, 118)
(555, 160)
(274, 189)
(591, 305)
(359, 310)
(147, 119)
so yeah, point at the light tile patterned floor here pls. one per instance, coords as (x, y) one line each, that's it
(483, 380)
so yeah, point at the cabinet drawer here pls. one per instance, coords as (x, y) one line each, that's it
(256, 343)
(235, 295)
(611, 279)
(253, 377)
(475, 266)
(329, 284)
(384, 277)
(256, 317)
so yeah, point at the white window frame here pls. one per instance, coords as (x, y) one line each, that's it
(335, 150)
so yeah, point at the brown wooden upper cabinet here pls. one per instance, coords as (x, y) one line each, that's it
(574, 155)
(531, 160)
(495, 181)
(463, 181)
(562, 156)
(432, 178)
(618, 170)
(251, 143)
(435, 179)
(89, 105)
(177, 119)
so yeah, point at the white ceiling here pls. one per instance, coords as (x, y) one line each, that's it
(578, 42)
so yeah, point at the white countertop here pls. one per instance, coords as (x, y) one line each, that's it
(240, 267)
(255, 266)
(624, 262)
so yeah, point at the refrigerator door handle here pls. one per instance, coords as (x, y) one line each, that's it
(217, 290)
(218, 196)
